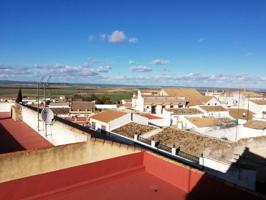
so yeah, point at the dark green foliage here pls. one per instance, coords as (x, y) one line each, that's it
(19, 97)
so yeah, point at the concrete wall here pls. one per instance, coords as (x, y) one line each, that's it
(27, 163)
(58, 133)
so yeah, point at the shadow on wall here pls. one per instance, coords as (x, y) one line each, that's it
(8, 143)
(251, 161)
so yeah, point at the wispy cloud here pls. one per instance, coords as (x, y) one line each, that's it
(160, 61)
(133, 40)
(248, 54)
(91, 38)
(201, 40)
(131, 62)
(140, 68)
(102, 36)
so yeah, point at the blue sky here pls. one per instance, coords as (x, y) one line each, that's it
(163, 42)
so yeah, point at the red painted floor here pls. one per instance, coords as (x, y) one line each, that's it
(138, 176)
(131, 186)
(19, 135)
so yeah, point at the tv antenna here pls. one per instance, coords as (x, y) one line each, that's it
(47, 116)
(49, 112)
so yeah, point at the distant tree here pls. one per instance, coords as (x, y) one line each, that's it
(19, 97)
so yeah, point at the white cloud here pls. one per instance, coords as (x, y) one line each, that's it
(103, 69)
(132, 40)
(117, 37)
(160, 61)
(131, 62)
(140, 68)
(201, 40)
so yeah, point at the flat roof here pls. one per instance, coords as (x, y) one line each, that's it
(256, 124)
(204, 121)
(136, 176)
(23, 134)
(213, 108)
(184, 111)
(108, 115)
(241, 113)
(260, 102)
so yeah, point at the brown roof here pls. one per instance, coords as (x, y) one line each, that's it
(204, 121)
(60, 111)
(198, 100)
(259, 101)
(149, 116)
(158, 100)
(82, 105)
(255, 124)
(184, 111)
(182, 92)
(241, 113)
(213, 108)
(108, 115)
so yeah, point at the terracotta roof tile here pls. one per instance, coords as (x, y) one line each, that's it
(108, 115)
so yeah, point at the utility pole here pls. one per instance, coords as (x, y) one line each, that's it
(248, 109)
(38, 106)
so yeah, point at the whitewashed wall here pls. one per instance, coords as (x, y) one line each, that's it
(61, 133)
(5, 107)
(98, 124)
(120, 121)
(257, 109)
(140, 119)
(242, 177)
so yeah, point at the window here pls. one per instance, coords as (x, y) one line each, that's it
(171, 106)
(103, 127)
(93, 125)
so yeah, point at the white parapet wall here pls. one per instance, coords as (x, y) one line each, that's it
(5, 106)
(58, 132)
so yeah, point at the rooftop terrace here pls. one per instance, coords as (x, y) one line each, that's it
(135, 176)
(19, 136)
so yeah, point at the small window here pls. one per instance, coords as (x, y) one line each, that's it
(93, 125)
(103, 127)
(171, 106)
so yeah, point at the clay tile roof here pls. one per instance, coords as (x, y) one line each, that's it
(184, 111)
(256, 124)
(204, 121)
(259, 101)
(163, 100)
(149, 116)
(60, 111)
(241, 113)
(108, 115)
(213, 108)
(82, 105)
(182, 92)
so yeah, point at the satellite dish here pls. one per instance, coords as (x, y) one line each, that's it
(47, 115)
